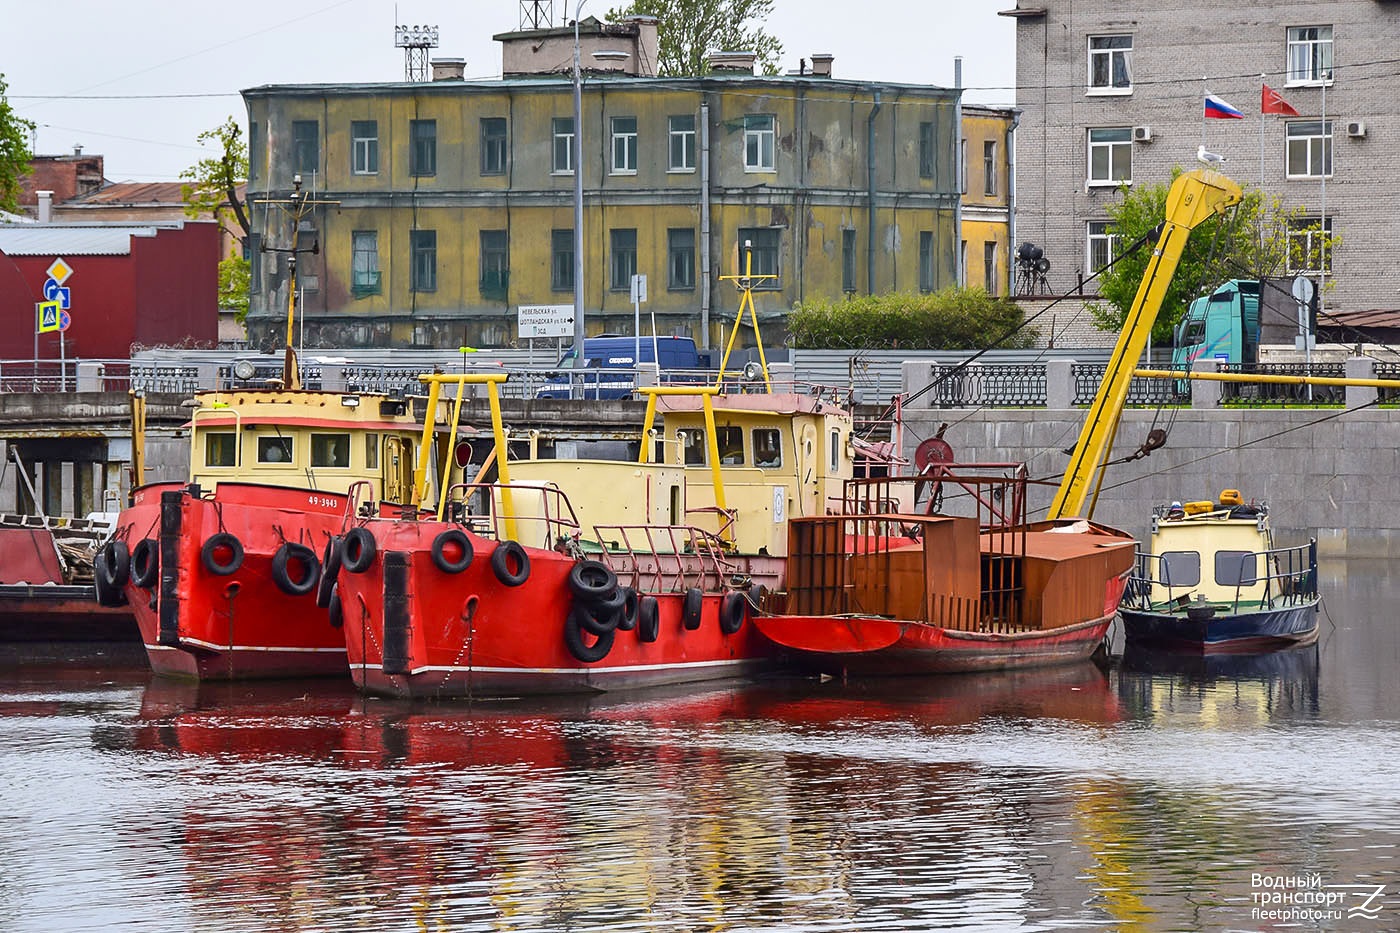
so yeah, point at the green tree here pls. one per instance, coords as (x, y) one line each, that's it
(951, 319)
(211, 190)
(687, 29)
(1250, 242)
(14, 151)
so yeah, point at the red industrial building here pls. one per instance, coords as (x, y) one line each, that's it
(143, 284)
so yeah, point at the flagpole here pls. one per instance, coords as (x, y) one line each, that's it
(1204, 92)
(1261, 146)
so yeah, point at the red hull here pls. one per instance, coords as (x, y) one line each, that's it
(468, 634)
(865, 646)
(196, 623)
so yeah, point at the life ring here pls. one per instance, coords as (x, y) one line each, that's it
(573, 638)
(357, 551)
(648, 619)
(591, 579)
(452, 538)
(335, 610)
(117, 566)
(506, 553)
(145, 563)
(731, 612)
(330, 571)
(281, 574)
(690, 609)
(631, 604)
(602, 616)
(217, 543)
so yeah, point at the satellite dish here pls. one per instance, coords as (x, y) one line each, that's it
(244, 369)
(753, 371)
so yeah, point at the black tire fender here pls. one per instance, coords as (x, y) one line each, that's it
(600, 618)
(330, 571)
(281, 569)
(648, 619)
(452, 538)
(631, 605)
(357, 551)
(109, 593)
(217, 543)
(334, 609)
(732, 611)
(506, 553)
(690, 609)
(573, 638)
(591, 579)
(145, 563)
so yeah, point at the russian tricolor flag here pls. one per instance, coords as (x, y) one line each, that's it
(1218, 108)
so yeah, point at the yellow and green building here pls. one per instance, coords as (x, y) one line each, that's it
(440, 207)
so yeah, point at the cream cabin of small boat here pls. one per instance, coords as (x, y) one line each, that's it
(1214, 554)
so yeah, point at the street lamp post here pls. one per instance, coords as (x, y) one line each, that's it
(577, 159)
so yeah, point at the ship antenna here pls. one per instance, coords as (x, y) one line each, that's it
(745, 280)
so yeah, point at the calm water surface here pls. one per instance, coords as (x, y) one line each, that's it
(1159, 794)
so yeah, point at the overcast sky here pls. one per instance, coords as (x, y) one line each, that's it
(102, 75)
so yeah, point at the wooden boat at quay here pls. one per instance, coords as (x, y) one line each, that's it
(1211, 580)
(988, 590)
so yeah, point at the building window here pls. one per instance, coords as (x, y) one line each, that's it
(275, 449)
(925, 150)
(1110, 64)
(1309, 148)
(989, 168)
(682, 143)
(1102, 245)
(423, 268)
(1309, 247)
(306, 147)
(760, 135)
(493, 145)
(561, 262)
(1111, 156)
(563, 146)
(680, 258)
(252, 251)
(624, 259)
(926, 260)
(764, 242)
(330, 450)
(624, 145)
(220, 449)
(364, 263)
(848, 260)
(422, 158)
(364, 147)
(495, 264)
(1309, 54)
(989, 267)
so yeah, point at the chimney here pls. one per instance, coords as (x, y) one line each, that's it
(45, 206)
(77, 149)
(733, 62)
(821, 64)
(644, 58)
(449, 69)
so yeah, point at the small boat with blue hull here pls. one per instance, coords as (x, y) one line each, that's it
(1212, 580)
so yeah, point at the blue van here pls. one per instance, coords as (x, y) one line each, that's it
(610, 361)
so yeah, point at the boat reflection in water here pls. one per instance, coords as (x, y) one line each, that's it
(1269, 683)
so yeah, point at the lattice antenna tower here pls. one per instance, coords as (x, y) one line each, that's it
(536, 14)
(415, 42)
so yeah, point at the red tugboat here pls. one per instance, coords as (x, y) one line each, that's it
(989, 590)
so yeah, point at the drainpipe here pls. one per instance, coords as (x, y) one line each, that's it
(958, 261)
(1011, 199)
(870, 196)
(704, 225)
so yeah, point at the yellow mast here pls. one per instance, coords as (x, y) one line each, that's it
(745, 282)
(1193, 198)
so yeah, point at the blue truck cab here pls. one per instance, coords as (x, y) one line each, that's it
(1223, 325)
(610, 362)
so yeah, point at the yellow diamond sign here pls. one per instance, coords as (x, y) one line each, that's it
(59, 271)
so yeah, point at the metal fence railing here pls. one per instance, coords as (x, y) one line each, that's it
(1141, 392)
(1285, 394)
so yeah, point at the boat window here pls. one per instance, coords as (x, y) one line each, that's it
(731, 446)
(371, 451)
(1180, 568)
(219, 449)
(1236, 568)
(835, 451)
(767, 447)
(692, 447)
(274, 450)
(330, 450)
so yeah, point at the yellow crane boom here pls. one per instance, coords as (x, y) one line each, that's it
(1193, 198)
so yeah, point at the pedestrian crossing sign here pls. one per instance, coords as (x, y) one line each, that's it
(49, 319)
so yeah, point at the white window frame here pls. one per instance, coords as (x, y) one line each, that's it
(362, 147)
(1099, 238)
(1116, 149)
(1312, 147)
(1309, 60)
(1301, 228)
(683, 138)
(624, 146)
(760, 142)
(1113, 57)
(567, 139)
(364, 259)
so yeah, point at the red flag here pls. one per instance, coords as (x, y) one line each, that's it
(1273, 102)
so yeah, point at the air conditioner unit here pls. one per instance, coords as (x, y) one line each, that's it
(1356, 129)
(1142, 134)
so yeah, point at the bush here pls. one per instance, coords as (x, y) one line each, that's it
(952, 319)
